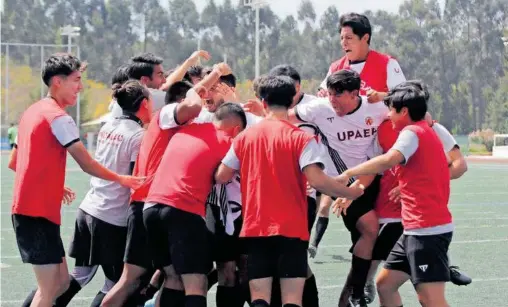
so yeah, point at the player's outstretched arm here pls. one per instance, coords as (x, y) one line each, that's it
(94, 168)
(13, 158)
(179, 73)
(224, 174)
(328, 185)
(376, 165)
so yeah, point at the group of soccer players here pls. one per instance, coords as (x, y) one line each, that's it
(192, 187)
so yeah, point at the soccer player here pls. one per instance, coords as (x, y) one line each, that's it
(175, 206)
(101, 222)
(46, 134)
(270, 153)
(12, 132)
(379, 72)
(348, 125)
(179, 110)
(420, 254)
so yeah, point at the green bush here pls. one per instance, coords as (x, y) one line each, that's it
(482, 137)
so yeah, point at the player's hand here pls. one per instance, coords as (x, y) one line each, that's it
(255, 107)
(340, 205)
(374, 96)
(342, 178)
(322, 93)
(223, 69)
(131, 181)
(196, 55)
(227, 92)
(394, 195)
(356, 190)
(309, 189)
(68, 196)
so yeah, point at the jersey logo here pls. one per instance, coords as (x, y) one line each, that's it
(369, 121)
(358, 134)
(423, 267)
(396, 70)
(330, 119)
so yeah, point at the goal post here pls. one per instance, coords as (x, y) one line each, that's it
(500, 148)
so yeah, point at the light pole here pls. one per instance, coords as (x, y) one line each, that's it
(256, 4)
(70, 32)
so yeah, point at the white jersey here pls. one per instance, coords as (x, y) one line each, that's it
(348, 139)
(118, 145)
(158, 100)
(394, 74)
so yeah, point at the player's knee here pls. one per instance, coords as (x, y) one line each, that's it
(369, 228)
(65, 281)
(384, 288)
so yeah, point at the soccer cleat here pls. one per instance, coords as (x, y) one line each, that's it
(312, 250)
(458, 278)
(355, 302)
(369, 292)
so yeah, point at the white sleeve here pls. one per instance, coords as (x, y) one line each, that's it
(445, 136)
(311, 154)
(406, 144)
(167, 117)
(158, 99)
(231, 160)
(308, 112)
(394, 74)
(65, 130)
(135, 145)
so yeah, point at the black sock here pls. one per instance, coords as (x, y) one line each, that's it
(195, 301)
(150, 291)
(260, 303)
(245, 290)
(213, 278)
(29, 299)
(97, 301)
(321, 225)
(360, 271)
(66, 297)
(310, 293)
(228, 297)
(172, 298)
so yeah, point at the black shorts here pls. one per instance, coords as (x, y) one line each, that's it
(179, 238)
(388, 236)
(277, 256)
(424, 258)
(136, 247)
(224, 247)
(311, 212)
(360, 207)
(96, 242)
(38, 239)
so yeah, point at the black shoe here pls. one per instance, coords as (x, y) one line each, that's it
(458, 278)
(355, 302)
(369, 292)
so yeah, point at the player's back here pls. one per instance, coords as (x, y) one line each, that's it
(271, 180)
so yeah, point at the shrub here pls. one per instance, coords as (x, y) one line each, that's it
(483, 137)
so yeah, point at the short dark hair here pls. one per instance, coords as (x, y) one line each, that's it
(60, 64)
(255, 85)
(359, 24)
(121, 75)
(193, 71)
(408, 95)
(277, 91)
(344, 80)
(229, 80)
(229, 110)
(143, 65)
(177, 91)
(130, 95)
(286, 70)
(421, 86)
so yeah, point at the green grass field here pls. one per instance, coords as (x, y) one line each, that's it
(479, 203)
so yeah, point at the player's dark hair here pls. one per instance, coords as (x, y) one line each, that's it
(143, 65)
(121, 75)
(255, 86)
(229, 110)
(277, 91)
(411, 96)
(60, 64)
(286, 70)
(229, 80)
(177, 91)
(193, 71)
(344, 80)
(130, 95)
(359, 24)
(421, 86)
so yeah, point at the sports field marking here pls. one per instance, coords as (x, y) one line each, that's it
(3, 265)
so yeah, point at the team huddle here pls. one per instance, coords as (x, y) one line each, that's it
(192, 186)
